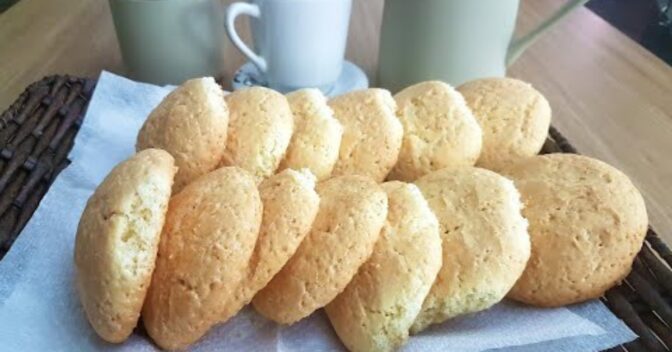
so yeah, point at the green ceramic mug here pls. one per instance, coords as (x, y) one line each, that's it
(452, 40)
(170, 41)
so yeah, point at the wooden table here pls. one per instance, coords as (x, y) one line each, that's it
(610, 97)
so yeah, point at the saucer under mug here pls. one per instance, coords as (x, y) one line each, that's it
(351, 78)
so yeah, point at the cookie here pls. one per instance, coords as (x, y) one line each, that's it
(372, 134)
(514, 117)
(317, 134)
(439, 130)
(351, 214)
(381, 302)
(587, 224)
(260, 128)
(210, 232)
(485, 241)
(190, 124)
(117, 241)
(290, 205)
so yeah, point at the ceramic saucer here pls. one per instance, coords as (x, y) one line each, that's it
(352, 78)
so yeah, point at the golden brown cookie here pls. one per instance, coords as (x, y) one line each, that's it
(317, 134)
(190, 124)
(372, 133)
(117, 240)
(484, 237)
(210, 232)
(260, 128)
(290, 205)
(381, 302)
(439, 130)
(514, 117)
(587, 224)
(348, 223)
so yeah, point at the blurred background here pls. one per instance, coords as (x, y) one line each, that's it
(648, 22)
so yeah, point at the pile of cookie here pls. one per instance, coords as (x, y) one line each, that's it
(391, 213)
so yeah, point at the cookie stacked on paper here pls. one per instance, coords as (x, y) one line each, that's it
(282, 202)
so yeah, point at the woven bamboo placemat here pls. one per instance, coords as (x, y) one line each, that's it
(38, 131)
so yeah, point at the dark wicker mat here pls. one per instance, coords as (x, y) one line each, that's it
(36, 134)
(38, 131)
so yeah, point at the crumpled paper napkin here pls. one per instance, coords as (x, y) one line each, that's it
(40, 310)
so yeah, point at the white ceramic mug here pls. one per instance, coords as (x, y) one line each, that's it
(453, 40)
(299, 43)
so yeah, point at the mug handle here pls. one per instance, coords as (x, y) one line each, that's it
(519, 45)
(233, 11)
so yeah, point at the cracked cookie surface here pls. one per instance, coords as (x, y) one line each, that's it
(210, 232)
(376, 310)
(351, 214)
(117, 241)
(485, 241)
(587, 224)
(191, 124)
(439, 130)
(514, 118)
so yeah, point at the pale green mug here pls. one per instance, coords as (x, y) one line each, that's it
(170, 41)
(452, 40)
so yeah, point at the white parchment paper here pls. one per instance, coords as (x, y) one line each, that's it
(40, 310)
